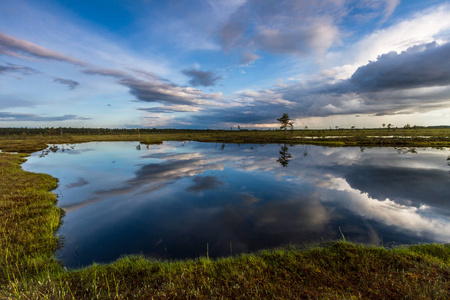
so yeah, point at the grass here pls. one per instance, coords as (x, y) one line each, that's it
(338, 270)
(30, 140)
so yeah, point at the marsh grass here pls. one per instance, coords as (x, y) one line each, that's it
(28, 220)
(338, 270)
(31, 140)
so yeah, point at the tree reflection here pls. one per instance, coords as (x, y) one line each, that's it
(285, 156)
(406, 150)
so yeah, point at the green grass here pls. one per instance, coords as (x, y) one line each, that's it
(28, 220)
(30, 140)
(338, 270)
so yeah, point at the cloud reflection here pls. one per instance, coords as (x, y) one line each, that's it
(155, 176)
(205, 183)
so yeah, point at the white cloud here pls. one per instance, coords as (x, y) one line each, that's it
(424, 27)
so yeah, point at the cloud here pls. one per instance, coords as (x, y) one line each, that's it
(156, 89)
(171, 109)
(294, 27)
(203, 78)
(249, 57)
(417, 79)
(423, 65)
(115, 73)
(148, 75)
(13, 102)
(15, 47)
(168, 93)
(314, 37)
(365, 10)
(17, 69)
(70, 83)
(7, 116)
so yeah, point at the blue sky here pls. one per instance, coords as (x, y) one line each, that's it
(220, 64)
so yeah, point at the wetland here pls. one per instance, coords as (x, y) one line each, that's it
(185, 199)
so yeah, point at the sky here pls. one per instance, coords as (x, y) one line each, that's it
(220, 64)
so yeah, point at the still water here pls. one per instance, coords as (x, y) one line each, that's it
(173, 200)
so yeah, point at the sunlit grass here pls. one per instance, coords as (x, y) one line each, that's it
(338, 270)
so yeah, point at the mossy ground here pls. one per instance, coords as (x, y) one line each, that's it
(339, 270)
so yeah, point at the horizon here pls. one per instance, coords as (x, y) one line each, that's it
(222, 64)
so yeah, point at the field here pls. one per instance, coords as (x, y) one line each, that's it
(338, 270)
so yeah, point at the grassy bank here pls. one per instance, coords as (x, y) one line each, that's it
(28, 269)
(29, 140)
(338, 270)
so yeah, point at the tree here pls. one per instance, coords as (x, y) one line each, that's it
(285, 122)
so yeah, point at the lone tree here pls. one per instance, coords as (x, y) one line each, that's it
(285, 122)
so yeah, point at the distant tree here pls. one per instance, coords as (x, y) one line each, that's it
(389, 126)
(384, 125)
(285, 122)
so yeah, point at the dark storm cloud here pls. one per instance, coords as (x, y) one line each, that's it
(15, 47)
(70, 83)
(204, 183)
(201, 78)
(412, 68)
(17, 69)
(7, 116)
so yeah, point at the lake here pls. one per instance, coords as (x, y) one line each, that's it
(178, 199)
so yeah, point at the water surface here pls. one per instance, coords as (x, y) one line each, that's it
(172, 200)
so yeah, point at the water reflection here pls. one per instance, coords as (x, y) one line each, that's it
(170, 200)
(285, 156)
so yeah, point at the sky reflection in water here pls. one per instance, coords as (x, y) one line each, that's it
(171, 200)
